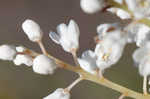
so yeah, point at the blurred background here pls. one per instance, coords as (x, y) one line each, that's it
(19, 82)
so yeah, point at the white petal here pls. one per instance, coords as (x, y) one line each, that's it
(140, 53)
(62, 29)
(44, 65)
(92, 6)
(20, 49)
(32, 30)
(73, 28)
(7, 52)
(88, 62)
(131, 4)
(55, 37)
(102, 29)
(58, 94)
(119, 1)
(23, 59)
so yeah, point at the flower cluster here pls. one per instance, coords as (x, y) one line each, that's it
(111, 40)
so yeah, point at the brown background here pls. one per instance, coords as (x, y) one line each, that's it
(21, 83)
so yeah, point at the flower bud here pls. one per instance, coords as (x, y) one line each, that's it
(7, 52)
(43, 65)
(23, 59)
(32, 30)
(92, 6)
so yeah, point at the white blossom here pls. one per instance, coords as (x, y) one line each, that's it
(92, 6)
(88, 61)
(44, 65)
(110, 50)
(67, 37)
(141, 52)
(23, 59)
(58, 94)
(7, 52)
(32, 30)
(138, 33)
(120, 13)
(139, 8)
(141, 56)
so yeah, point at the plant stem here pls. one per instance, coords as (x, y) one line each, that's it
(42, 47)
(74, 83)
(145, 85)
(99, 80)
(103, 81)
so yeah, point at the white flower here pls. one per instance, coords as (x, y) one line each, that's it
(104, 29)
(67, 37)
(43, 65)
(32, 30)
(58, 94)
(141, 52)
(110, 50)
(140, 8)
(7, 52)
(23, 59)
(88, 61)
(139, 33)
(120, 13)
(92, 6)
(141, 56)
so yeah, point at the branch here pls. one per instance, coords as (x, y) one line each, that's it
(101, 81)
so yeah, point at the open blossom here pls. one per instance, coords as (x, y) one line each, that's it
(139, 33)
(140, 8)
(120, 13)
(7, 52)
(141, 52)
(44, 65)
(141, 57)
(58, 94)
(110, 50)
(23, 59)
(88, 61)
(67, 37)
(32, 30)
(92, 6)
